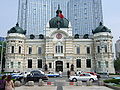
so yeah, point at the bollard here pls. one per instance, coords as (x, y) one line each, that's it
(40, 82)
(89, 83)
(30, 83)
(100, 83)
(79, 83)
(44, 83)
(17, 84)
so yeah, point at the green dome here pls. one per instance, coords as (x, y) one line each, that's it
(59, 21)
(17, 29)
(101, 28)
(54, 22)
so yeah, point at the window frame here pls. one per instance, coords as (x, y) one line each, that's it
(88, 63)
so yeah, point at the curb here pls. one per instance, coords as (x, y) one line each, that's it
(113, 87)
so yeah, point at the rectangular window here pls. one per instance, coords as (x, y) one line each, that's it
(67, 65)
(98, 49)
(78, 63)
(88, 50)
(61, 49)
(99, 64)
(30, 50)
(78, 50)
(19, 64)
(39, 50)
(50, 65)
(39, 63)
(106, 62)
(29, 63)
(88, 63)
(12, 64)
(12, 50)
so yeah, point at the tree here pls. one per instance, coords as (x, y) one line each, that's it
(2, 52)
(117, 64)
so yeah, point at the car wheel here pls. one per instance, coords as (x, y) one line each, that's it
(74, 80)
(91, 79)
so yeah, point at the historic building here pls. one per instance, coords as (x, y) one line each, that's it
(117, 48)
(58, 49)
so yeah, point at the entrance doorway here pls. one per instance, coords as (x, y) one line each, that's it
(59, 66)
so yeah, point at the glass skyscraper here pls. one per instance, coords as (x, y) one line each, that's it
(84, 15)
(33, 15)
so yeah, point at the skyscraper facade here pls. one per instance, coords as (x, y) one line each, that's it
(33, 15)
(84, 15)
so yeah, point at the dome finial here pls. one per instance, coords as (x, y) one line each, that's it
(58, 6)
(58, 11)
(17, 24)
(101, 23)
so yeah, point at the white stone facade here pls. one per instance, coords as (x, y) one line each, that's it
(59, 50)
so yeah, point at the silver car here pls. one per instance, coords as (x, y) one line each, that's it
(83, 77)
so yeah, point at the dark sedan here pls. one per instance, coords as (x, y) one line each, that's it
(35, 76)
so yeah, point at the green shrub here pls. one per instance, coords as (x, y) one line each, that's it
(116, 81)
(114, 74)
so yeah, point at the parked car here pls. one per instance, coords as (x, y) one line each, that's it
(52, 74)
(83, 77)
(115, 77)
(98, 75)
(35, 76)
(18, 76)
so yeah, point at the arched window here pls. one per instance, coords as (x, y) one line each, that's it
(30, 50)
(88, 50)
(78, 50)
(59, 48)
(98, 49)
(39, 50)
(105, 48)
(19, 49)
(12, 49)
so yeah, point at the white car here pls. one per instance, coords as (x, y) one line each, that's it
(83, 77)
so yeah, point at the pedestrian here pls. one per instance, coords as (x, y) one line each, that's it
(2, 83)
(68, 73)
(9, 83)
(107, 74)
(60, 73)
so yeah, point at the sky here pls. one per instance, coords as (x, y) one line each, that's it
(111, 16)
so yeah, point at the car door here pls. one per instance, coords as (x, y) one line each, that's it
(82, 77)
(87, 77)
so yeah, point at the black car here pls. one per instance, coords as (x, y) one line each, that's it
(35, 76)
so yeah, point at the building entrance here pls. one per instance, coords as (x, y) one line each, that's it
(59, 66)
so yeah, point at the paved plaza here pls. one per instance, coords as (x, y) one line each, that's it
(64, 88)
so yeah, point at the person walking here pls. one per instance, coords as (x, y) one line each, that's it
(68, 73)
(60, 73)
(2, 83)
(9, 83)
